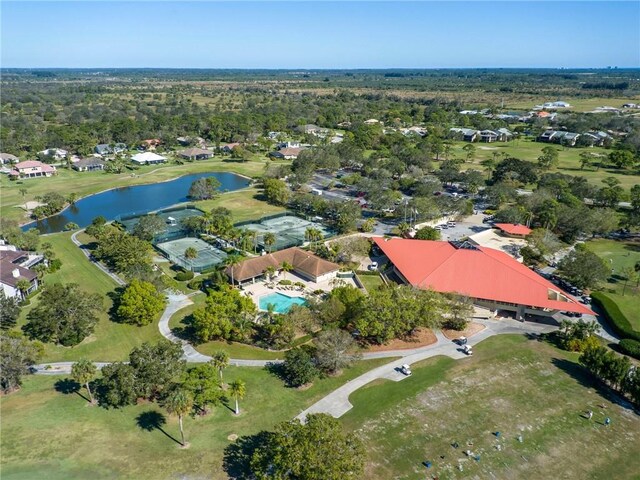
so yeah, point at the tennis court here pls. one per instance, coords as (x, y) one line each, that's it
(208, 256)
(288, 230)
(172, 220)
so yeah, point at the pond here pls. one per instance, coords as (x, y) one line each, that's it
(135, 199)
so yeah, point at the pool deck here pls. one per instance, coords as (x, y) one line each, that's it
(262, 288)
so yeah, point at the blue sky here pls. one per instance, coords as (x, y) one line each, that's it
(320, 34)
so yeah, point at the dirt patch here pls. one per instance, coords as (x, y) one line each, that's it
(233, 437)
(422, 338)
(471, 330)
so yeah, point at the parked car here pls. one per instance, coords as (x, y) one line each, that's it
(373, 266)
(406, 370)
(461, 340)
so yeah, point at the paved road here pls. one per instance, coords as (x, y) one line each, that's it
(337, 402)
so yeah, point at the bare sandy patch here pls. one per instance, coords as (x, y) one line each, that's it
(422, 338)
(471, 330)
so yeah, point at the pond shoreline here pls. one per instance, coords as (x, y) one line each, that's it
(251, 179)
(226, 187)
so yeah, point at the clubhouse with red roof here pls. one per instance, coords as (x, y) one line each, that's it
(491, 278)
(513, 229)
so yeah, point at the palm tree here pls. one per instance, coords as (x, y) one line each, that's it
(286, 267)
(238, 389)
(270, 272)
(83, 371)
(23, 285)
(220, 361)
(72, 197)
(190, 253)
(180, 402)
(23, 192)
(231, 261)
(404, 228)
(636, 268)
(269, 239)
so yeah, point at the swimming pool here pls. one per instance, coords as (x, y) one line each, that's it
(282, 303)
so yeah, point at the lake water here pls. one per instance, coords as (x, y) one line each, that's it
(139, 198)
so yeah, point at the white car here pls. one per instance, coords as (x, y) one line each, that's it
(405, 369)
(373, 266)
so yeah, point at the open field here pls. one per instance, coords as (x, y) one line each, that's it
(621, 255)
(527, 149)
(511, 385)
(110, 341)
(47, 434)
(577, 104)
(86, 183)
(245, 204)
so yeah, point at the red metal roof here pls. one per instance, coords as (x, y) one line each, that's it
(513, 229)
(480, 272)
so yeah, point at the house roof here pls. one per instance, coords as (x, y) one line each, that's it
(478, 272)
(147, 157)
(34, 164)
(88, 162)
(230, 146)
(194, 152)
(513, 229)
(7, 157)
(301, 260)
(7, 268)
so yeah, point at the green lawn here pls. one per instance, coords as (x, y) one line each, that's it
(110, 341)
(511, 385)
(621, 255)
(577, 104)
(46, 434)
(246, 204)
(371, 282)
(86, 183)
(527, 149)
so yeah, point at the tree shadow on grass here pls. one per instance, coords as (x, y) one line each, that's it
(237, 456)
(152, 420)
(589, 381)
(68, 386)
(115, 296)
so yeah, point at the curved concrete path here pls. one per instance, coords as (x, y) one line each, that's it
(87, 254)
(337, 402)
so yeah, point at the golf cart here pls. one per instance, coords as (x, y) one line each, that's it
(405, 369)
(467, 350)
(461, 341)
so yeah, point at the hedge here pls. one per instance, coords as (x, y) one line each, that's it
(184, 276)
(630, 347)
(616, 319)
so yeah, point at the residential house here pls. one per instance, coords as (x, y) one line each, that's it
(31, 169)
(466, 134)
(561, 137)
(148, 158)
(15, 266)
(552, 105)
(488, 136)
(228, 147)
(504, 135)
(188, 141)
(286, 153)
(56, 154)
(468, 112)
(8, 158)
(103, 149)
(311, 129)
(630, 105)
(150, 143)
(288, 144)
(596, 139)
(421, 131)
(195, 153)
(273, 135)
(89, 164)
(513, 229)
(345, 124)
(372, 121)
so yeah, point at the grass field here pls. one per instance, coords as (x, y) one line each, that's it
(577, 104)
(527, 149)
(511, 385)
(621, 255)
(371, 282)
(245, 204)
(47, 434)
(110, 341)
(86, 183)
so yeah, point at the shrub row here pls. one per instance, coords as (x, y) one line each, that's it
(618, 321)
(184, 276)
(630, 347)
